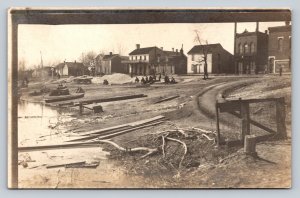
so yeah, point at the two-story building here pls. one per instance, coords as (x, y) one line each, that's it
(251, 52)
(154, 60)
(110, 63)
(218, 60)
(279, 48)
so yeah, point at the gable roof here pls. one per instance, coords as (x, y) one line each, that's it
(109, 56)
(144, 50)
(199, 48)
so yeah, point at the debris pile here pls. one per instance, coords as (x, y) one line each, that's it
(169, 150)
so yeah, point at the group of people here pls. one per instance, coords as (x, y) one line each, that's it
(146, 79)
(152, 79)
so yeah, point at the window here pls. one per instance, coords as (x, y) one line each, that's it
(193, 57)
(290, 42)
(280, 44)
(135, 57)
(246, 48)
(240, 50)
(145, 57)
(140, 57)
(252, 48)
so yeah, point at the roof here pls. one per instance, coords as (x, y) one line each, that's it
(74, 65)
(246, 33)
(171, 53)
(109, 56)
(284, 28)
(199, 48)
(144, 50)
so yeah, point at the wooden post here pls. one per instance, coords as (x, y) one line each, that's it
(245, 116)
(250, 145)
(80, 108)
(280, 118)
(217, 124)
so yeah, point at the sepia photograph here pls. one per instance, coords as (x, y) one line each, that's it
(149, 98)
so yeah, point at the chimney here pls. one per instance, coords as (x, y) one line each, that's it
(138, 46)
(266, 31)
(173, 49)
(161, 48)
(257, 26)
(110, 53)
(75, 61)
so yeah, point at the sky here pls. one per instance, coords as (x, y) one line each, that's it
(57, 43)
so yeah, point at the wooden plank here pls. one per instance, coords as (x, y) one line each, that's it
(228, 106)
(257, 100)
(245, 116)
(116, 98)
(218, 125)
(122, 126)
(166, 99)
(58, 146)
(65, 164)
(280, 118)
(146, 120)
(116, 133)
(257, 124)
(129, 130)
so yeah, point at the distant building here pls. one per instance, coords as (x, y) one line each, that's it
(154, 60)
(71, 69)
(219, 60)
(110, 63)
(279, 48)
(251, 52)
(44, 71)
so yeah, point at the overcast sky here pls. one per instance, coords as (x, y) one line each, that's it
(67, 42)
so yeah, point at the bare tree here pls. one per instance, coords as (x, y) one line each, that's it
(22, 65)
(88, 58)
(205, 51)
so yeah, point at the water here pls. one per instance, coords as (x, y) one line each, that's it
(38, 124)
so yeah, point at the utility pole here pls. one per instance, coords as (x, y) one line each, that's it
(42, 74)
(234, 49)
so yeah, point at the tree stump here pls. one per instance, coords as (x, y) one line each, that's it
(250, 145)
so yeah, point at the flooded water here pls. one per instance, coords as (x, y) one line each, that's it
(39, 123)
(42, 125)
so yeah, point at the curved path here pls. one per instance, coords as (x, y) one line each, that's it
(206, 100)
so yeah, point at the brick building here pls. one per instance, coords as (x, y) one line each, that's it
(219, 60)
(279, 48)
(251, 52)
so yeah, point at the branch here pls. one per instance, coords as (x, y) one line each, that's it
(184, 146)
(150, 150)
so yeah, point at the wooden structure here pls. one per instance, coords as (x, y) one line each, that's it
(240, 109)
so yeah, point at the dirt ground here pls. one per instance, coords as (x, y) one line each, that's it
(204, 166)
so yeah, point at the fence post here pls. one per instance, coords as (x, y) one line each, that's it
(280, 118)
(245, 115)
(80, 108)
(217, 124)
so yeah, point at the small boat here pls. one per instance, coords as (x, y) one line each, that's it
(59, 98)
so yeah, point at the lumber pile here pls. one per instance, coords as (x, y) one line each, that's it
(120, 129)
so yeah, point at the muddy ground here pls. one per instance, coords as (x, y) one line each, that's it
(204, 165)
